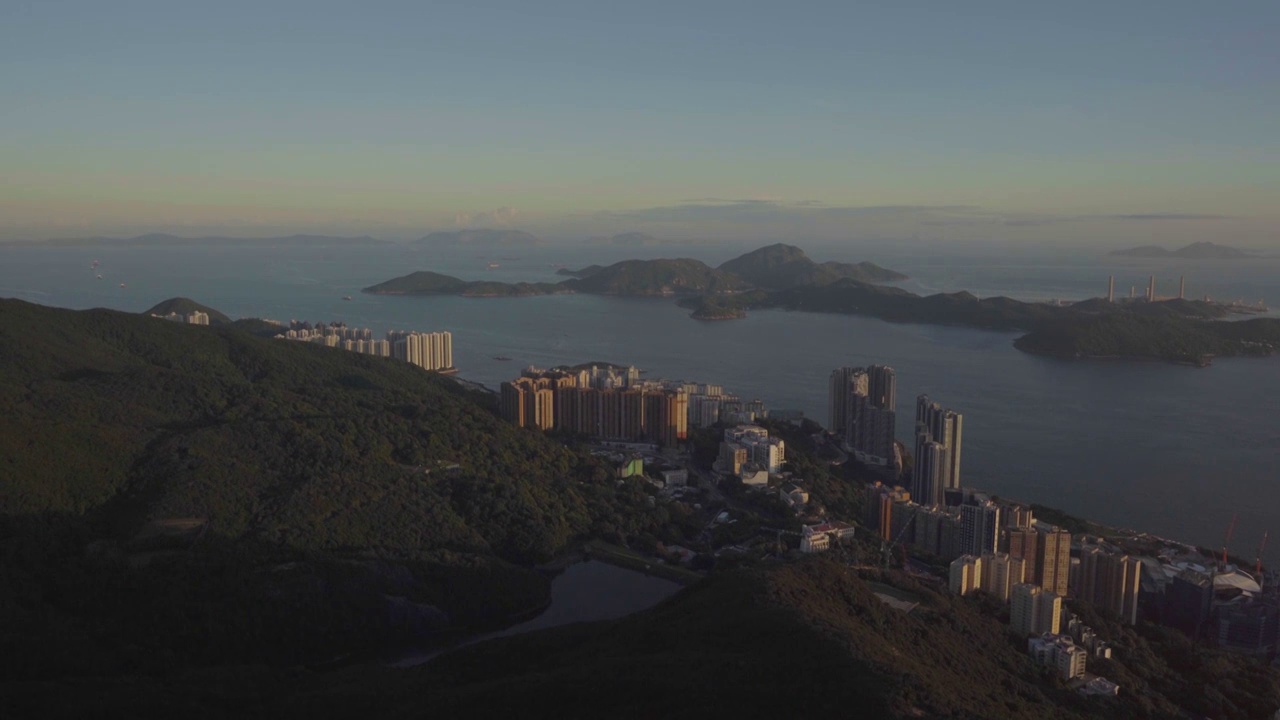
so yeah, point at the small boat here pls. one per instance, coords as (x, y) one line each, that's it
(493, 265)
(99, 277)
(346, 297)
(501, 358)
(121, 284)
(94, 265)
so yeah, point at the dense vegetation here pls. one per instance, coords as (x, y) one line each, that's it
(1168, 337)
(424, 282)
(804, 638)
(775, 266)
(1177, 330)
(781, 266)
(296, 473)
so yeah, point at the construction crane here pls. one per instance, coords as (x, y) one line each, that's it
(1231, 530)
(1257, 561)
(887, 549)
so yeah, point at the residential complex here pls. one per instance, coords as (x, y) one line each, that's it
(863, 411)
(938, 446)
(191, 318)
(429, 351)
(599, 403)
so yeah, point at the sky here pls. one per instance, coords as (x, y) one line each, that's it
(1081, 122)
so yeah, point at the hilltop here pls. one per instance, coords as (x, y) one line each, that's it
(782, 266)
(186, 306)
(656, 277)
(1194, 251)
(482, 238)
(424, 282)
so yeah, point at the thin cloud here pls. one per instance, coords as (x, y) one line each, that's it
(500, 216)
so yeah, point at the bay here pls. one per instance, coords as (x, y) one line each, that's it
(1167, 449)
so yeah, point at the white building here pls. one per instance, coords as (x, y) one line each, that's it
(1057, 651)
(675, 478)
(817, 538)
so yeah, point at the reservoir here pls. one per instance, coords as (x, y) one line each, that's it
(586, 591)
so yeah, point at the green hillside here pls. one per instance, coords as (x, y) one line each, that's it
(782, 266)
(164, 470)
(656, 277)
(424, 282)
(809, 637)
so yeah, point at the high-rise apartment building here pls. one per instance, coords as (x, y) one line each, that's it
(862, 410)
(979, 527)
(1023, 545)
(1034, 610)
(966, 574)
(1000, 573)
(1110, 581)
(935, 424)
(1053, 562)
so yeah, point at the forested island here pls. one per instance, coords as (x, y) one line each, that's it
(1183, 331)
(774, 266)
(196, 521)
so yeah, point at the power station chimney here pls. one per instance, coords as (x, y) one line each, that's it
(1111, 288)
(1151, 290)
(1132, 290)
(1182, 287)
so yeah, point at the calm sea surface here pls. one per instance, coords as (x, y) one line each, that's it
(1163, 448)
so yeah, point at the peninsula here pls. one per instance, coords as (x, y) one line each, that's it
(1176, 330)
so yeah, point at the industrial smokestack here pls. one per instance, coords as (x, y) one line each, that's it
(1151, 290)
(1111, 288)
(1182, 287)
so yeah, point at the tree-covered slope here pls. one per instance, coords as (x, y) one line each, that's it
(112, 425)
(656, 277)
(783, 266)
(425, 282)
(788, 640)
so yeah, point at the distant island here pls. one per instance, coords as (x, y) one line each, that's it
(1183, 331)
(783, 277)
(480, 238)
(1194, 251)
(775, 266)
(425, 282)
(165, 240)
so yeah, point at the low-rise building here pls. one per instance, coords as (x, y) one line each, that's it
(794, 496)
(818, 537)
(1058, 652)
(675, 478)
(754, 475)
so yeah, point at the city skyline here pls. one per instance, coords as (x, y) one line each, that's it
(828, 123)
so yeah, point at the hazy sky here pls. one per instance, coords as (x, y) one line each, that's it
(1045, 121)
